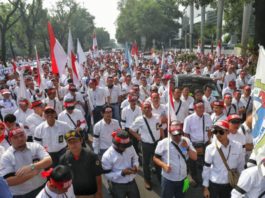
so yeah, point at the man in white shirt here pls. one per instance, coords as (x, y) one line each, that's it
(120, 163)
(52, 100)
(114, 95)
(185, 97)
(102, 131)
(208, 94)
(230, 89)
(247, 100)
(237, 102)
(229, 76)
(7, 104)
(230, 108)
(181, 107)
(218, 111)
(216, 184)
(98, 98)
(59, 183)
(197, 129)
(174, 169)
(50, 134)
(150, 132)
(22, 163)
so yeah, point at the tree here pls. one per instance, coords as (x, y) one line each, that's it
(103, 37)
(6, 22)
(31, 15)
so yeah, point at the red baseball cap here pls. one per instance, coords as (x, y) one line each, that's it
(222, 124)
(233, 117)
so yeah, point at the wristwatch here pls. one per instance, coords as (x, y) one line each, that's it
(32, 166)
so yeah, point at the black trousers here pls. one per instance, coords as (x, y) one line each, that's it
(97, 114)
(220, 190)
(195, 168)
(148, 153)
(129, 190)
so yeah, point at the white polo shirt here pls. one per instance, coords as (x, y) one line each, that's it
(98, 97)
(13, 160)
(128, 116)
(55, 103)
(144, 92)
(32, 121)
(73, 119)
(183, 110)
(176, 161)
(114, 93)
(52, 138)
(214, 164)
(21, 116)
(189, 100)
(9, 107)
(47, 193)
(140, 126)
(193, 125)
(102, 134)
(116, 162)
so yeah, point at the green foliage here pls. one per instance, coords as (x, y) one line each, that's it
(186, 57)
(150, 18)
(103, 37)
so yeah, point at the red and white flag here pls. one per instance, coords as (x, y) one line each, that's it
(171, 107)
(134, 50)
(57, 53)
(218, 48)
(72, 62)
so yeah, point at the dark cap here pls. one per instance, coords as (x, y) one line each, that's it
(121, 138)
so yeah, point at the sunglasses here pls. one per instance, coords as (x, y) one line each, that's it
(220, 131)
(235, 121)
(70, 134)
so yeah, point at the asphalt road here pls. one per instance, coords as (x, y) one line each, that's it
(155, 193)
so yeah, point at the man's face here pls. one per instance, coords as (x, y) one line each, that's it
(223, 136)
(218, 109)
(186, 91)
(24, 107)
(177, 94)
(199, 109)
(228, 100)
(50, 115)
(74, 145)
(108, 113)
(110, 81)
(208, 91)
(147, 109)
(18, 141)
(155, 99)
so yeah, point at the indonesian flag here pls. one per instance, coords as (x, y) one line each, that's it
(134, 50)
(57, 53)
(171, 107)
(72, 62)
(38, 68)
(218, 48)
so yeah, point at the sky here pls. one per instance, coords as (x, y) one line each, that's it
(104, 11)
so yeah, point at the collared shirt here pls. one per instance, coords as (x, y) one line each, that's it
(32, 121)
(189, 100)
(161, 110)
(47, 193)
(102, 134)
(128, 116)
(214, 164)
(247, 102)
(13, 160)
(55, 103)
(193, 125)
(144, 92)
(21, 116)
(75, 119)
(216, 118)
(114, 93)
(183, 110)
(9, 107)
(125, 88)
(239, 104)
(252, 182)
(229, 77)
(116, 162)
(52, 137)
(176, 161)
(231, 109)
(140, 126)
(98, 96)
(209, 99)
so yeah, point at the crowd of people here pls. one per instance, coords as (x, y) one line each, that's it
(62, 138)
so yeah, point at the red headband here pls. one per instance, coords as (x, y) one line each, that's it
(118, 139)
(69, 104)
(15, 132)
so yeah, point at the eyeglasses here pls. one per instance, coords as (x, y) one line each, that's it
(220, 131)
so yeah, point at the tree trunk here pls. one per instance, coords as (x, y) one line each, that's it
(202, 27)
(259, 7)
(3, 47)
(12, 49)
(245, 26)
(191, 24)
(220, 11)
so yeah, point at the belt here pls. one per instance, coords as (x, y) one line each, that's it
(219, 184)
(116, 103)
(123, 183)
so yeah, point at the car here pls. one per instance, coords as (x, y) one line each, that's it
(196, 82)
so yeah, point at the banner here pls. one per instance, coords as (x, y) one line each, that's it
(259, 105)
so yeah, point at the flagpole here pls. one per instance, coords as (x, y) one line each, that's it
(168, 122)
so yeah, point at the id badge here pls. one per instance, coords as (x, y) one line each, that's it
(60, 139)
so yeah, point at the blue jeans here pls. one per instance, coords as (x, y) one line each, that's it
(171, 189)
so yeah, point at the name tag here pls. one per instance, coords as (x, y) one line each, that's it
(60, 139)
